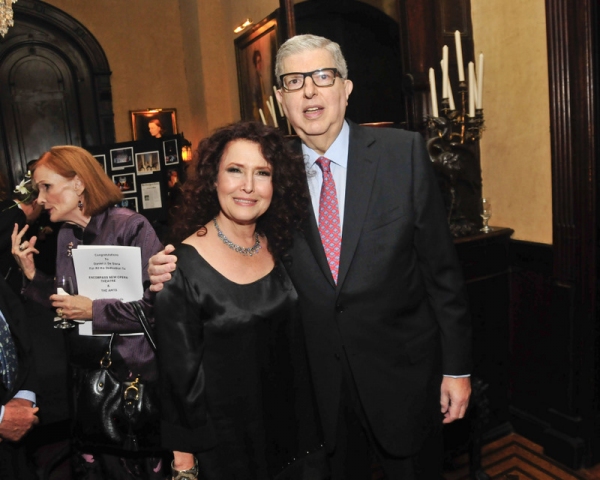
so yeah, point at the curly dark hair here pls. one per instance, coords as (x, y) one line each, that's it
(289, 204)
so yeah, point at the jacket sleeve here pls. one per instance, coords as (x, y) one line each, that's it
(179, 331)
(26, 377)
(440, 266)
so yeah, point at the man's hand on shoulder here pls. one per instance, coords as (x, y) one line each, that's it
(19, 418)
(455, 393)
(160, 267)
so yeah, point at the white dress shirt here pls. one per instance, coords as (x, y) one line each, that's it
(338, 154)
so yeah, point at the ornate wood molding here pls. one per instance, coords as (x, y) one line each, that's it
(287, 9)
(571, 66)
(573, 79)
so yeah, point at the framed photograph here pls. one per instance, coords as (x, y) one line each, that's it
(173, 179)
(155, 123)
(102, 161)
(147, 163)
(151, 195)
(121, 158)
(125, 181)
(171, 152)
(255, 57)
(130, 203)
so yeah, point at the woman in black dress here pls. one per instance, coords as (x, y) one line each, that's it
(236, 391)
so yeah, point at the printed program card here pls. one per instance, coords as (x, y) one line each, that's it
(106, 271)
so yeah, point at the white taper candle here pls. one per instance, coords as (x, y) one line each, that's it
(479, 103)
(459, 56)
(434, 104)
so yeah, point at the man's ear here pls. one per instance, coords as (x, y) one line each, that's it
(348, 86)
(279, 98)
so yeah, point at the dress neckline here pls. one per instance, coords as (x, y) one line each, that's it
(258, 280)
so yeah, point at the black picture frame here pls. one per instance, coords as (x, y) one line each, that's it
(171, 152)
(130, 203)
(140, 120)
(256, 78)
(121, 158)
(147, 163)
(102, 161)
(126, 182)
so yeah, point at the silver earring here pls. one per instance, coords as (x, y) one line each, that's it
(80, 205)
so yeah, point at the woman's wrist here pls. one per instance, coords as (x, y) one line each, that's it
(30, 274)
(182, 473)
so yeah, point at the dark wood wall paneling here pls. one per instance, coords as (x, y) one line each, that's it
(554, 332)
(485, 262)
(425, 27)
(553, 319)
(371, 45)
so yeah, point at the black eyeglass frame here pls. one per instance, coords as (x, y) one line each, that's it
(335, 71)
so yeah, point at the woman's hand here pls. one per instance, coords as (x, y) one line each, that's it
(183, 461)
(72, 307)
(23, 251)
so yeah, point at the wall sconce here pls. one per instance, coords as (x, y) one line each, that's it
(186, 153)
(243, 26)
(186, 149)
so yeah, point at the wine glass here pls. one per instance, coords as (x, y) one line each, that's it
(64, 286)
(485, 211)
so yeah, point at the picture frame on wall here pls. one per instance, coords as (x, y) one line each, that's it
(130, 203)
(102, 161)
(153, 123)
(126, 182)
(121, 158)
(255, 53)
(171, 152)
(147, 163)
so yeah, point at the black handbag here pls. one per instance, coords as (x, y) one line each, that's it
(115, 414)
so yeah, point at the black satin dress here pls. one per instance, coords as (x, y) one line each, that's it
(234, 374)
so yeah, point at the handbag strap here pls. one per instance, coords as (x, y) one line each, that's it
(145, 324)
(106, 360)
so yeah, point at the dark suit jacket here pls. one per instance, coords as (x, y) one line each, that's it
(10, 214)
(398, 310)
(13, 312)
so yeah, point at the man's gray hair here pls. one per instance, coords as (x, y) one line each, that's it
(303, 43)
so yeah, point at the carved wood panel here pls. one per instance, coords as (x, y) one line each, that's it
(54, 84)
(39, 107)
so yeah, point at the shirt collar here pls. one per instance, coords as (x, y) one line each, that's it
(337, 152)
(93, 228)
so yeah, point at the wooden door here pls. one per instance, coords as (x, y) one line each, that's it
(54, 87)
(39, 108)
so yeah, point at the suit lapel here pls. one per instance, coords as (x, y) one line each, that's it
(311, 232)
(359, 183)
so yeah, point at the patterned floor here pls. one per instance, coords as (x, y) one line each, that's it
(516, 458)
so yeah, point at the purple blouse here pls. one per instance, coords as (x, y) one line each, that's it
(115, 226)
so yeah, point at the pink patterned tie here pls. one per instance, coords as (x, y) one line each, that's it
(329, 218)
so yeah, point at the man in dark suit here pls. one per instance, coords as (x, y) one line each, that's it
(386, 321)
(18, 413)
(384, 313)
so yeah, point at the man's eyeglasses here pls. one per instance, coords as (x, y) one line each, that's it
(324, 77)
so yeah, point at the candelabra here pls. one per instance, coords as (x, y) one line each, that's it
(451, 146)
